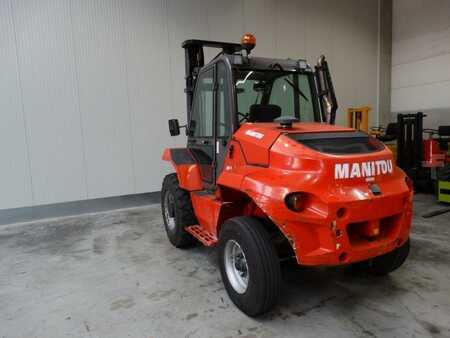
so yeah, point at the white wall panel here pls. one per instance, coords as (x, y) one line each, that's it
(319, 38)
(364, 55)
(225, 20)
(421, 72)
(148, 88)
(421, 47)
(290, 29)
(15, 179)
(91, 84)
(421, 98)
(260, 19)
(421, 59)
(185, 20)
(46, 66)
(341, 57)
(104, 101)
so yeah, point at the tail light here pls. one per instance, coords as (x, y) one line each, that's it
(295, 201)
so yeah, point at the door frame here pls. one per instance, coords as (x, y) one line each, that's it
(219, 145)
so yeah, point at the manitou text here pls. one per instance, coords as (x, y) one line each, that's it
(363, 169)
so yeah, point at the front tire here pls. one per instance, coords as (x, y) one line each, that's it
(249, 265)
(177, 212)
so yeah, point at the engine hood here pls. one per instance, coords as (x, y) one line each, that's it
(332, 161)
(271, 162)
(256, 139)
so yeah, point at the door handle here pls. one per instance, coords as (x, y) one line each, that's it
(204, 142)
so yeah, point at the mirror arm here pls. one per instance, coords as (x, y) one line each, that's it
(186, 128)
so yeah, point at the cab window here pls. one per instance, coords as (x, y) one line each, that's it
(202, 109)
(223, 102)
(291, 91)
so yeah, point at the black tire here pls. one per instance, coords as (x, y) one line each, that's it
(383, 265)
(181, 211)
(264, 275)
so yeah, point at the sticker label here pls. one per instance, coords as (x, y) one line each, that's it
(254, 134)
(363, 169)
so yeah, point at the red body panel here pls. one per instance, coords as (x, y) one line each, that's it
(339, 207)
(189, 176)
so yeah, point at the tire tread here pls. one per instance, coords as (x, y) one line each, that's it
(185, 211)
(256, 233)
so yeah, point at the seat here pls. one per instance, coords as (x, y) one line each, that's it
(264, 112)
(444, 139)
(391, 133)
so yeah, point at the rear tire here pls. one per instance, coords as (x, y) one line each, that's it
(252, 278)
(177, 212)
(385, 264)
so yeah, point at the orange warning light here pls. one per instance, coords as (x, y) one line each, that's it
(248, 41)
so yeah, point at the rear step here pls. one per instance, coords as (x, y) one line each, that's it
(207, 238)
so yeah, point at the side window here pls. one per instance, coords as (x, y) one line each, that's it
(246, 95)
(306, 106)
(223, 102)
(202, 108)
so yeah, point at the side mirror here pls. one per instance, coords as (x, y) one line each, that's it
(174, 127)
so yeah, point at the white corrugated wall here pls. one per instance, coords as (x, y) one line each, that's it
(87, 86)
(421, 59)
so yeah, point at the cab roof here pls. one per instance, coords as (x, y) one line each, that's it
(263, 63)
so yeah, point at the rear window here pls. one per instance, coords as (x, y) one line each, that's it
(354, 142)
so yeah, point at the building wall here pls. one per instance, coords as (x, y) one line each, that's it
(421, 59)
(385, 62)
(87, 87)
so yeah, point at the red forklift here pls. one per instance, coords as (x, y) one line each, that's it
(425, 160)
(266, 175)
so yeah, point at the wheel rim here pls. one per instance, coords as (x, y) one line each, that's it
(236, 266)
(169, 210)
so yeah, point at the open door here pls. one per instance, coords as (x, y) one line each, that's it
(211, 116)
(326, 94)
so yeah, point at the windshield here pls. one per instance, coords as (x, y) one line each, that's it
(291, 92)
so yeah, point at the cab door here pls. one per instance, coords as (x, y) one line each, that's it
(211, 117)
(201, 138)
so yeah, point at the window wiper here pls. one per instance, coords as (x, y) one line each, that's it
(293, 85)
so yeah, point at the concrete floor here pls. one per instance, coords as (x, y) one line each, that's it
(114, 274)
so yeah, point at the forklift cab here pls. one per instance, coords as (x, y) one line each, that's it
(235, 88)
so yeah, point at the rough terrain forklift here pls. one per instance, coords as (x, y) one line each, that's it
(267, 176)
